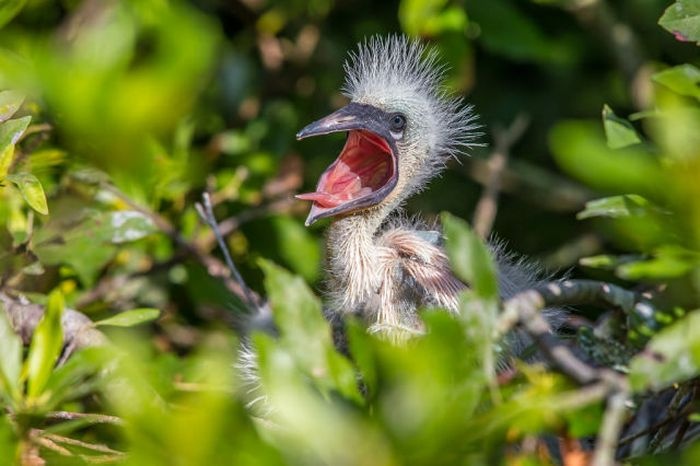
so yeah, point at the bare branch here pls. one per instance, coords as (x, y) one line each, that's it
(607, 441)
(485, 211)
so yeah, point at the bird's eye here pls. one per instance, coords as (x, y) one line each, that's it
(398, 122)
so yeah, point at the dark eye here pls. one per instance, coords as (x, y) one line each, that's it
(398, 122)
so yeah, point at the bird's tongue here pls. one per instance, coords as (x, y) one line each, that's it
(362, 167)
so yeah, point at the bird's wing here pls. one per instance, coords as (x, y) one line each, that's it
(424, 266)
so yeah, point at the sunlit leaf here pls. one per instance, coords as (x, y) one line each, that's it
(673, 355)
(618, 131)
(10, 102)
(10, 357)
(10, 132)
(682, 79)
(130, 318)
(306, 333)
(469, 257)
(615, 207)
(45, 346)
(31, 190)
(682, 19)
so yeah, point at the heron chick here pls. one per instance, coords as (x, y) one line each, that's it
(402, 126)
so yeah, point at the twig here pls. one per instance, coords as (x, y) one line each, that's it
(524, 310)
(91, 418)
(206, 213)
(614, 419)
(231, 224)
(214, 266)
(539, 186)
(78, 443)
(485, 211)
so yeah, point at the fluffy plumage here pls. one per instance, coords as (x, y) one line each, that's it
(397, 71)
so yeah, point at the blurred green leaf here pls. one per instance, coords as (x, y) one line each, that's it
(79, 376)
(616, 206)
(10, 132)
(10, 358)
(682, 19)
(580, 149)
(45, 346)
(672, 355)
(31, 190)
(9, 443)
(306, 333)
(607, 261)
(669, 261)
(469, 257)
(130, 318)
(431, 18)
(618, 131)
(682, 79)
(10, 102)
(297, 246)
(124, 226)
(9, 9)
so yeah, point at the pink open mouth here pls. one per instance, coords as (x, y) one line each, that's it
(356, 178)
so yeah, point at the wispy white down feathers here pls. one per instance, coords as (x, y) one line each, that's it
(397, 69)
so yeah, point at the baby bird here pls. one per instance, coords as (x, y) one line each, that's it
(402, 126)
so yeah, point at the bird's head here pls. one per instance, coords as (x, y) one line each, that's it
(402, 125)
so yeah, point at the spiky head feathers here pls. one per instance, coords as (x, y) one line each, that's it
(399, 74)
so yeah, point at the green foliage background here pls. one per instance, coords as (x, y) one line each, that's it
(116, 115)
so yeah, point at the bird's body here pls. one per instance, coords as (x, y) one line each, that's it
(386, 273)
(402, 126)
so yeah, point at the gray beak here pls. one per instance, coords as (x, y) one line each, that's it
(352, 116)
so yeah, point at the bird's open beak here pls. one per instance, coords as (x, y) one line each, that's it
(366, 170)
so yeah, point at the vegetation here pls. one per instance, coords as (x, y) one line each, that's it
(117, 341)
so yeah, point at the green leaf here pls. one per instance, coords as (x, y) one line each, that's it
(31, 190)
(90, 245)
(297, 246)
(580, 149)
(79, 375)
(671, 356)
(10, 357)
(608, 262)
(45, 346)
(121, 226)
(682, 79)
(615, 207)
(682, 19)
(669, 261)
(431, 18)
(10, 132)
(306, 333)
(469, 257)
(9, 9)
(131, 318)
(618, 131)
(10, 102)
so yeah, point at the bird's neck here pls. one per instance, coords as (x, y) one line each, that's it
(352, 259)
